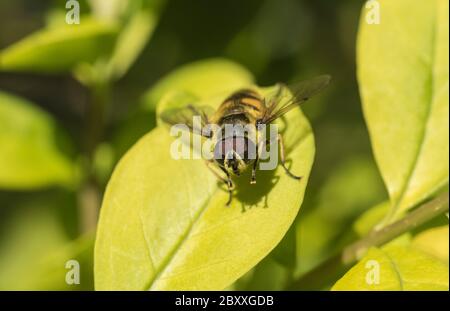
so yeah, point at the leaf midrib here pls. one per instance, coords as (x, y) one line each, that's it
(172, 254)
(395, 268)
(183, 238)
(398, 203)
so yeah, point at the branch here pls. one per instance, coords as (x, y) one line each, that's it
(89, 195)
(417, 217)
(336, 265)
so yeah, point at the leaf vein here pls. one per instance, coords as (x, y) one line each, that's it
(179, 244)
(423, 134)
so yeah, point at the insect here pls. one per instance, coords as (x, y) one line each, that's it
(244, 108)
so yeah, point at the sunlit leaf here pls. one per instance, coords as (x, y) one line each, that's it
(403, 79)
(59, 49)
(396, 267)
(214, 76)
(203, 79)
(275, 270)
(434, 242)
(164, 223)
(31, 147)
(372, 217)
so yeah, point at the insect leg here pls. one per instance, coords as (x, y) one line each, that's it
(283, 162)
(208, 165)
(255, 165)
(259, 148)
(230, 191)
(229, 184)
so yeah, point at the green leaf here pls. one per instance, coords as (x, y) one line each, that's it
(111, 9)
(61, 48)
(275, 270)
(434, 242)
(285, 253)
(267, 275)
(130, 42)
(31, 147)
(372, 217)
(399, 268)
(207, 77)
(35, 246)
(203, 79)
(350, 187)
(164, 223)
(403, 79)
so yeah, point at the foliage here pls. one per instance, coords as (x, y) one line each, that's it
(51, 50)
(400, 268)
(221, 243)
(163, 224)
(407, 114)
(404, 92)
(36, 244)
(31, 143)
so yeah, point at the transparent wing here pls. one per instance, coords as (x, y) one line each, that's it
(301, 92)
(185, 115)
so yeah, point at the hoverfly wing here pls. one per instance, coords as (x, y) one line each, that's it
(186, 116)
(301, 92)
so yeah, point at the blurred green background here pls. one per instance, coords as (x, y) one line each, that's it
(44, 225)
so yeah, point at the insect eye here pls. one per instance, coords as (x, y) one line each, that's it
(219, 151)
(242, 146)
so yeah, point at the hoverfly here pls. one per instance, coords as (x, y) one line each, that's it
(245, 107)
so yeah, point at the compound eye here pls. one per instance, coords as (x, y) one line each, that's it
(241, 146)
(223, 148)
(246, 149)
(219, 151)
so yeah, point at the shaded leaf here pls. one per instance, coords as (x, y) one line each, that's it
(403, 79)
(130, 42)
(35, 247)
(350, 188)
(111, 9)
(59, 49)
(267, 275)
(31, 147)
(285, 253)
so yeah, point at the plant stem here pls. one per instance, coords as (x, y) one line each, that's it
(89, 203)
(336, 265)
(89, 196)
(417, 217)
(96, 117)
